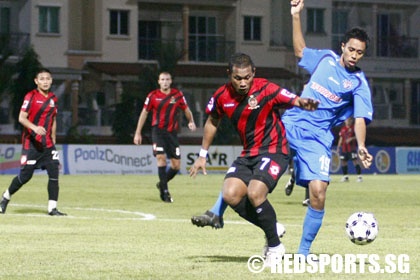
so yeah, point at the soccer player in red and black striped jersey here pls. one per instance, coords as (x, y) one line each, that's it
(165, 104)
(38, 118)
(348, 144)
(252, 105)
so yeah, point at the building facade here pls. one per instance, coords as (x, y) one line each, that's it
(98, 49)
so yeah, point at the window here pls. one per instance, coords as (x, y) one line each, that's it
(149, 39)
(118, 22)
(315, 23)
(49, 19)
(4, 20)
(252, 28)
(203, 43)
(339, 28)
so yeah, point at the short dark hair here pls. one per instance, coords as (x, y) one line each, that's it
(42, 70)
(356, 33)
(240, 60)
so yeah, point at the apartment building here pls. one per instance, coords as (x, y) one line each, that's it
(98, 49)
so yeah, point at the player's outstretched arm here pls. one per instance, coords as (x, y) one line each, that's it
(307, 104)
(298, 40)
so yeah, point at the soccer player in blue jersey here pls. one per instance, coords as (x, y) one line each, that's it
(343, 91)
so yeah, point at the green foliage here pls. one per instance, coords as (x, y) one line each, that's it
(73, 136)
(128, 110)
(26, 69)
(107, 235)
(6, 69)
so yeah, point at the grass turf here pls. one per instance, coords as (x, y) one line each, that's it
(118, 228)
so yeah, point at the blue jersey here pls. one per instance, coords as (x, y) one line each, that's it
(341, 93)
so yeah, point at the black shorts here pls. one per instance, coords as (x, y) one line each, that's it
(165, 142)
(348, 156)
(39, 158)
(266, 168)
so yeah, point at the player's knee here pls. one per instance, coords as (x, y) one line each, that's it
(53, 171)
(231, 196)
(256, 197)
(25, 176)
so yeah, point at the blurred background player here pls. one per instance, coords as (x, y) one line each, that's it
(288, 188)
(165, 104)
(348, 144)
(38, 118)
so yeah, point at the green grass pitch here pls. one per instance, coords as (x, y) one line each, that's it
(117, 228)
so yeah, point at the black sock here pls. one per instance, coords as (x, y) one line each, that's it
(171, 174)
(246, 211)
(53, 189)
(345, 170)
(358, 169)
(163, 182)
(266, 217)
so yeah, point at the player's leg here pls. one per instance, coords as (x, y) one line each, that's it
(265, 214)
(25, 174)
(212, 217)
(357, 167)
(314, 215)
(264, 180)
(306, 201)
(344, 167)
(159, 152)
(173, 169)
(288, 188)
(53, 188)
(163, 182)
(174, 154)
(314, 161)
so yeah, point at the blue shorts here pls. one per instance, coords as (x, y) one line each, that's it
(311, 151)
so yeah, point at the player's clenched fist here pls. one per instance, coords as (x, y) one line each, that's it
(296, 6)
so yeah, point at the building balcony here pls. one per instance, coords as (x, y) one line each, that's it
(397, 47)
(205, 49)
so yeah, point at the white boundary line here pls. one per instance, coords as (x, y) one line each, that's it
(138, 216)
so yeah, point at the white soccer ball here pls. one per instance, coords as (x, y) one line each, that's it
(362, 228)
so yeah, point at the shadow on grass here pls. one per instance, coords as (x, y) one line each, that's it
(30, 211)
(218, 258)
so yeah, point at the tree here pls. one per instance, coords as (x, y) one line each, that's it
(26, 69)
(128, 110)
(6, 69)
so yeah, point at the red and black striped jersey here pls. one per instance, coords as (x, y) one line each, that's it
(347, 132)
(255, 116)
(42, 111)
(165, 108)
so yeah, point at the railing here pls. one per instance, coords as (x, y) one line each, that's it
(14, 43)
(205, 49)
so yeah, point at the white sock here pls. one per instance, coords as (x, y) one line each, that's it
(6, 194)
(277, 249)
(51, 205)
